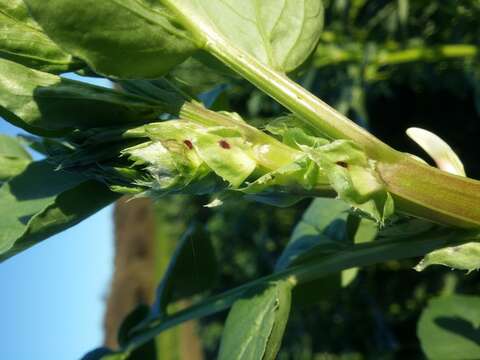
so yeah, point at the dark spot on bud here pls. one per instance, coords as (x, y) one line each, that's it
(224, 144)
(188, 144)
(342, 164)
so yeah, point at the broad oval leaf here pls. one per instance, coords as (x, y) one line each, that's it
(323, 227)
(50, 105)
(13, 158)
(23, 40)
(326, 227)
(118, 38)
(12, 147)
(256, 323)
(279, 33)
(41, 202)
(141, 39)
(449, 328)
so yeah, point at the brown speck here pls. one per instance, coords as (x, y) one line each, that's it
(342, 164)
(188, 144)
(224, 144)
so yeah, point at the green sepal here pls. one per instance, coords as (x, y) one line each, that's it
(354, 178)
(461, 257)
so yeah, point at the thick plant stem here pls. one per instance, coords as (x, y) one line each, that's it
(419, 190)
(421, 194)
(308, 107)
(427, 192)
(330, 54)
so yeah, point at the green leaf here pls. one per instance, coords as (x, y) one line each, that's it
(13, 157)
(361, 230)
(279, 33)
(135, 317)
(143, 40)
(159, 90)
(41, 202)
(104, 354)
(22, 40)
(256, 323)
(326, 227)
(10, 167)
(12, 147)
(323, 226)
(195, 77)
(462, 257)
(449, 328)
(196, 251)
(124, 39)
(49, 105)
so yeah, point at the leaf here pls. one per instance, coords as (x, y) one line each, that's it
(461, 257)
(195, 77)
(23, 41)
(256, 323)
(49, 105)
(104, 354)
(11, 166)
(12, 147)
(449, 328)
(13, 158)
(41, 202)
(326, 227)
(279, 33)
(124, 39)
(194, 252)
(135, 317)
(323, 225)
(143, 40)
(160, 90)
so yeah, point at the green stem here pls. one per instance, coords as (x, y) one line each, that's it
(405, 186)
(330, 54)
(419, 190)
(436, 53)
(308, 107)
(427, 192)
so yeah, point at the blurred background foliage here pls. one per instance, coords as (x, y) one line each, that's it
(389, 65)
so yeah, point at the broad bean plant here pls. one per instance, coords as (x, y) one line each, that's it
(151, 135)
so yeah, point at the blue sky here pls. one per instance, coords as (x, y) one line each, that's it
(52, 296)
